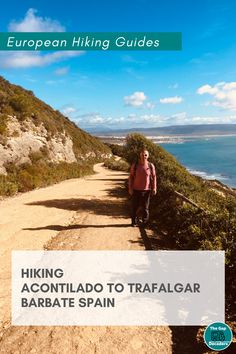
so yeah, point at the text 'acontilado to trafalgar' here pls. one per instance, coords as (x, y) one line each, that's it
(111, 287)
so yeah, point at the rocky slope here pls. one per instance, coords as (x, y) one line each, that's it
(30, 129)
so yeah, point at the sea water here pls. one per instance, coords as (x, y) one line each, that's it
(208, 157)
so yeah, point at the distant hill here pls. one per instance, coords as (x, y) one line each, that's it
(33, 134)
(200, 129)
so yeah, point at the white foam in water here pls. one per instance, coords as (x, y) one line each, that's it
(207, 176)
(169, 141)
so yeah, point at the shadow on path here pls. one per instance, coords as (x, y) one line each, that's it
(107, 179)
(119, 174)
(145, 239)
(75, 227)
(114, 208)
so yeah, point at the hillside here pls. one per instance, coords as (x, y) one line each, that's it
(33, 134)
(191, 212)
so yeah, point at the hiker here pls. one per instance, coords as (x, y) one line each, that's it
(142, 183)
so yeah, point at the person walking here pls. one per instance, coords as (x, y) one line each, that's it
(142, 183)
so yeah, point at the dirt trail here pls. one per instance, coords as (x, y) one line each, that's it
(80, 214)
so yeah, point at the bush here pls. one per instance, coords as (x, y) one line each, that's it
(25, 181)
(40, 174)
(116, 149)
(35, 156)
(7, 188)
(3, 124)
(118, 165)
(20, 103)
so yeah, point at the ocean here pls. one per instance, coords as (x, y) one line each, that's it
(211, 157)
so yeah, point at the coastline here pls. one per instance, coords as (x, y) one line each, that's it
(215, 179)
(159, 139)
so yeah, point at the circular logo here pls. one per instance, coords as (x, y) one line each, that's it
(218, 336)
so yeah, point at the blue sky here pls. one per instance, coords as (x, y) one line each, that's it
(130, 89)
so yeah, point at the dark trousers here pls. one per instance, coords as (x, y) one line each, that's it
(140, 199)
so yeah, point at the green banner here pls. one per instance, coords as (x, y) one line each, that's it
(36, 41)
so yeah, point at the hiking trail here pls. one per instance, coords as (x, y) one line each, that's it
(88, 213)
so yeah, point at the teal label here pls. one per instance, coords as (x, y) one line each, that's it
(218, 336)
(90, 41)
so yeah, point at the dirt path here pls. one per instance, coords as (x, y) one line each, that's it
(80, 214)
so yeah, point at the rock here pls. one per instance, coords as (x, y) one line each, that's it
(27, 138)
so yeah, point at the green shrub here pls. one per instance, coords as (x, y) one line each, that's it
(36, 156)
(118, 150)
(25, 181)
(3, 124)
(7, 187)
(118, 165)
(40, 174)
(20, 103)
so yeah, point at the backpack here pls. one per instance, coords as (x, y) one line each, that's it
(150, 165)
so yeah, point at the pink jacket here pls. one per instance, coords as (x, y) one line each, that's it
(142, 177)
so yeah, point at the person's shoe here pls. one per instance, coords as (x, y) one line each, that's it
(139, 221)
(134, 223)
(144, 222)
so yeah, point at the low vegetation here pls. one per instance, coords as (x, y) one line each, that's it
(40, 174)
(3, 124)
(118, 165)
(210, 226)
(118, 150)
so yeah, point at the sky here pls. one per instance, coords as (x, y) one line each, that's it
(130, 89)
